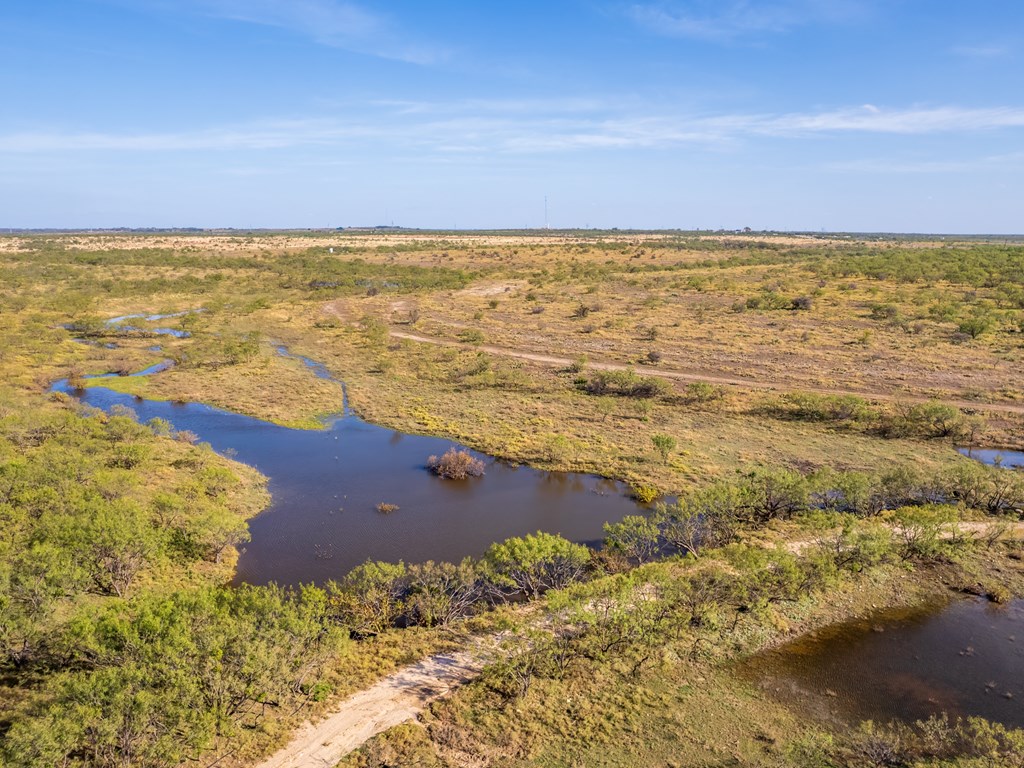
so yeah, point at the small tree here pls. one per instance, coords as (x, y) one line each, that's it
(369, 599)
(664, 444)
(635, 537)
(439, 593)
(536, 563)
(976, 325)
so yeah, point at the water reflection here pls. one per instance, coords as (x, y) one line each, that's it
(963, 659)
(326, 486)
(995, 456)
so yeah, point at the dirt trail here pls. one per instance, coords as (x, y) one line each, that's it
(706, 376)
(394, 700)
(972, 528)
(403, 695)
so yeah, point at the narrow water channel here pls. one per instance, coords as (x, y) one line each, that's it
(326, 486)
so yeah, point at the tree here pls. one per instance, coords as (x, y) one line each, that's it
(370, 597)
(110, 718)
(776, 494)
(635, 537)
(536, 563)
(439, 593)
(976, 325)
(704, 518)
(664, 445)
(218, 530)
(118, 543)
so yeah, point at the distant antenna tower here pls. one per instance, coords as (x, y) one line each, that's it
(546, 212)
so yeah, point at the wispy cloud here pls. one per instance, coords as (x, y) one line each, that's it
(335, 23)
(871, 119)
(986, 51)
(1013, 161)
(727, 20)
(461, 127)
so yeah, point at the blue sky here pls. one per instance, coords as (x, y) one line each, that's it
(903, 115)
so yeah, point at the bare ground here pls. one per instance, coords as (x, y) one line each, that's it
(710, 377)
(394, 700)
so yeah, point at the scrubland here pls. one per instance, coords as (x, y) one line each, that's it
(787, 389)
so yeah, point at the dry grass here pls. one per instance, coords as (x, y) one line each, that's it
(530, 411)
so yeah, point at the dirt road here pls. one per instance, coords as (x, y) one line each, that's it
(707, 376)
(395, 699)
(403, 695)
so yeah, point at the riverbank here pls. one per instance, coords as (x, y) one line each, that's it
(682, 710)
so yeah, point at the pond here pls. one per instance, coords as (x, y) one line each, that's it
(992, 456)
(964, 659)
(326, 485)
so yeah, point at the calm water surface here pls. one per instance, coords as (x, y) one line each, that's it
(325, 487)
(1007, 459)
(964, 659)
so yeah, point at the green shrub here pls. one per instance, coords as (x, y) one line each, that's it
(535, 563)
(625, 383)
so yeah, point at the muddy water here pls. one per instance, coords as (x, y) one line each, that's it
(326, 485)
(963, 659)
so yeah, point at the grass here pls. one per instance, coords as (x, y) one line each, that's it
(671, 295)
(271, 388)
(674, 302)
(680, 711)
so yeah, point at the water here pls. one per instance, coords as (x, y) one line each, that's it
(964, 659)
(1007, 459)
(120, 320)
(325, 487)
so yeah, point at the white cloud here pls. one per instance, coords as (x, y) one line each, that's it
(513, 128)
(1013, 161)
(335, 23)
(726, 20)
(988, 51)
(871, 119)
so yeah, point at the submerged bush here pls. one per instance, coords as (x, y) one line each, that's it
(455, 465)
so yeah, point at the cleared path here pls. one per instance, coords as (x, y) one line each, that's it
(709, 376)
(394, 700)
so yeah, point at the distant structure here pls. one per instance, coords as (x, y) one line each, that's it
(546, 212)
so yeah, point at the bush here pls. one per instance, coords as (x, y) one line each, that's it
(536, 563)
(664, 445)
(579, 364)
(702, 392)
(624, 384)
(645, 494)
(456, 465)
(925, 533)
(884, 312)
(975, 326)
(808, 406)
(636, 537)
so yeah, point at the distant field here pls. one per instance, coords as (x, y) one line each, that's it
(807, 392)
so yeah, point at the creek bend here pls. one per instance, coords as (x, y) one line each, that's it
(325, 486)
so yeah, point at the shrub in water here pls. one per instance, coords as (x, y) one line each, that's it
(456, 465)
